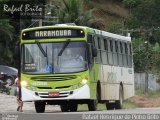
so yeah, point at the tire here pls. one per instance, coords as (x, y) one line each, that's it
(40, 106)
(73, 107)
(92, 105)
(119, 103)
(64, 107)
(110, 106)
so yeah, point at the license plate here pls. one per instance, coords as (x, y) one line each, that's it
(53, 94)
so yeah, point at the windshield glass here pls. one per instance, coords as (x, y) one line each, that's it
(46, 57)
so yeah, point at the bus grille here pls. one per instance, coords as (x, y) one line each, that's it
(61, 94)
(54, 78)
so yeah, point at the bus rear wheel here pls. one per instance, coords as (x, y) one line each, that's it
(110, 106)
(39, 106)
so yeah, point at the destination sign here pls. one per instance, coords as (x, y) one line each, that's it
(52, 33)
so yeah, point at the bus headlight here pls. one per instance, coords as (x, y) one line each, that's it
(24, 83)
(84, 81)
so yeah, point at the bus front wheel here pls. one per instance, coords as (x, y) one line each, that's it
(73, 107)
(39, 106)
(64, 107)
(92, 105)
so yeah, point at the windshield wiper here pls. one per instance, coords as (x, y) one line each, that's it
(64, 47)
(42, 50)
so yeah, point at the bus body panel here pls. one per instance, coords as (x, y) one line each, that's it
(111, 77)
(81, 93)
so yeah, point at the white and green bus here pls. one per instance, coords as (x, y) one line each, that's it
(69, 65)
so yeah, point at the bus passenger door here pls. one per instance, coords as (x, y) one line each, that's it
(91, 67)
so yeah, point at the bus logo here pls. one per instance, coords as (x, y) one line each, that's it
(39, 83)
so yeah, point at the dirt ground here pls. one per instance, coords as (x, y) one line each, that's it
(145, 102)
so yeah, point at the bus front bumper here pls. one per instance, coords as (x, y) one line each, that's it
(80, 93)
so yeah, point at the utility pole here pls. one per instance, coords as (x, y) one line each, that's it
(146, 67)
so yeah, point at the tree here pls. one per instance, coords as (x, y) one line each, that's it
(130, 4)
(145, 15)
(71, 11)
(138, 54)
(5, 42)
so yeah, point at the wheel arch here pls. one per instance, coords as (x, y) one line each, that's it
(121, 85)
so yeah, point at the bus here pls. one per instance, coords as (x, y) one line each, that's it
(68, 65)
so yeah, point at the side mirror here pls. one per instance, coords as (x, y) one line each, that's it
(94, 52)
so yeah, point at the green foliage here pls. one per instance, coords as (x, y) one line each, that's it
(140, 52)
(72, 12)
(115, 28)
(147, 13)
(129, 104)
(145, 18)
(151, 93)
(6, 40)
(129, 3)
(69, 11)
(133, 22)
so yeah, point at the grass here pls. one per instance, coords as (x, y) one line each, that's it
(150, 93)
(128, 104)
(84, 107)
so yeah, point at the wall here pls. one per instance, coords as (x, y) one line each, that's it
(152, 81)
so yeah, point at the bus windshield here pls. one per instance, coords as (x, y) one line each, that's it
(72, 59)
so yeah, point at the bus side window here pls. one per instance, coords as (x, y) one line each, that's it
(89, 38)
(129, 55)
(125, 53)
(97, 45)
(99, 59)
(120, 55)
(104, 52)
(110, 50)
(96, 42)
(106, 44)
(115, 56)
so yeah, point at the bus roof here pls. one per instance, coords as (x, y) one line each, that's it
(99, 32)
(112, 35)
(44, 27)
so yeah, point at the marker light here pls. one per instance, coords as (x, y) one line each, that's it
(81, 31)
(84, 81)
(24, 83)
(24, 34)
